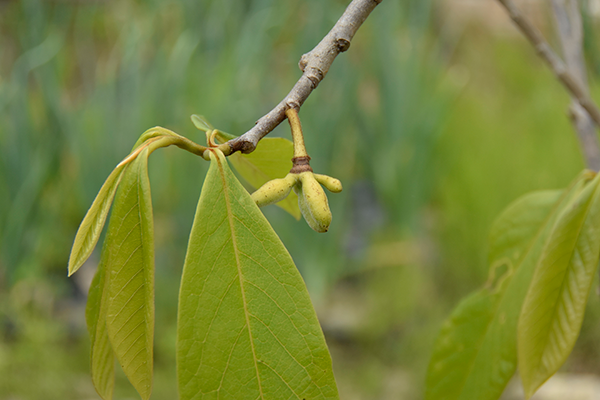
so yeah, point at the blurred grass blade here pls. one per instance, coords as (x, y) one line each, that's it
(130, 265)
(555, 303)
(91, 227)
(246, 325)
(475, 354)
(102, 360)
(272, 159)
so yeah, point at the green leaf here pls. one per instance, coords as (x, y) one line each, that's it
(91, 227)
(272, 159)
(201, 123)
(246, 325)
(130, 269)
(475, 354)
(101, 355)
(555, 303)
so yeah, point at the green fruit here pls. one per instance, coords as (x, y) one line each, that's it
(332, 184)
(274, 191)
(313, 202)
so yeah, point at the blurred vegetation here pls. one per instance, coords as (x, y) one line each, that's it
(433, 131)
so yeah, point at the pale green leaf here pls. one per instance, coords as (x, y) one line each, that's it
(130, 269)
(91, 227)
(555, 303)
(457, 346)
(101, 354)
(272, 159)
(246, 325)
(201, 123)
(475, 355)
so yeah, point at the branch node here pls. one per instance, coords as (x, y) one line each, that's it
(343, 44)
(315, 75)
(314, 66)
(292, 104)
(303, 62)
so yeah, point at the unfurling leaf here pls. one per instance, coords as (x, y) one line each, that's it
(91, 227)
(272, 159)
(475, 354)
(555, 303)
(201, 123)
(246, 325)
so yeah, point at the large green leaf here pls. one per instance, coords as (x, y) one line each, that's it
(91, 227)
(246, 325)
(272, 159)
(555, 303)
(101, 354)
(475, 354)
(130, 270)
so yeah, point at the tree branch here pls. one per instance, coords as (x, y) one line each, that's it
(314, 66)
(570, 32)
(574, 85)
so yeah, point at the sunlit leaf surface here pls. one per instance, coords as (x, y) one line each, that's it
(272, 159)
(246, 325)
(554, 307)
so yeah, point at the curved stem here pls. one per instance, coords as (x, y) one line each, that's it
(314, 66)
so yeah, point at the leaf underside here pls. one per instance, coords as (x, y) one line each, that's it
(246, 325)
(130, 274)
(120, 309)
(272, 159)
(475, 354)
(101, 354)
(91, 227)
(555, 303)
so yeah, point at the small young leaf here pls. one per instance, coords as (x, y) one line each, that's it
(90, 229)
(130, 279)
(201, 123)
(272, 159)
(475, 354)
(553, 309)
(101, 355)
(246, 325)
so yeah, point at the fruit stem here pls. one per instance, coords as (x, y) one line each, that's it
(297, 136)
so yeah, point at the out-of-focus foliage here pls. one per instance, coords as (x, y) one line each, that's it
(433, 129)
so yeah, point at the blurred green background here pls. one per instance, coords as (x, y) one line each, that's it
(436, 119)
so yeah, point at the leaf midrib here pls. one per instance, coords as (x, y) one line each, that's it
(554, 308)
(237, 262)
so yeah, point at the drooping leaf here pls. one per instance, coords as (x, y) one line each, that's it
(246, 325)
(130, 269)
(101, 354)
(272, 159)
(475, 354)
(91, 227)
(555, 303)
